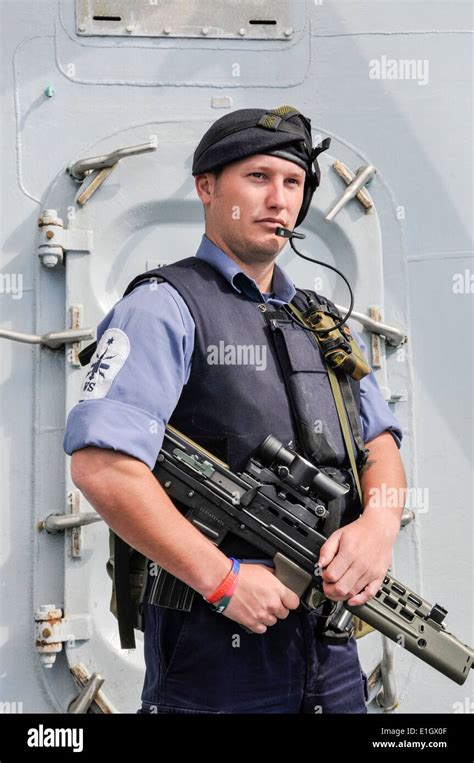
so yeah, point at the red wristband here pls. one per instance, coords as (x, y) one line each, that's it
(229, 582)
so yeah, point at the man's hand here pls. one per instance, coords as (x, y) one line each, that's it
(355, 559)
(260, 599)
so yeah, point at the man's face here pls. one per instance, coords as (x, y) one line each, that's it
(248, 200)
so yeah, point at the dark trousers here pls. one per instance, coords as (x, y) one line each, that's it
(202, 662)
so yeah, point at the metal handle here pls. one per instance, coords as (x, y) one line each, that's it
(394, 336)
(52, 339)
(81, 168)
(363, 175)
(87, 695)
(55, 523)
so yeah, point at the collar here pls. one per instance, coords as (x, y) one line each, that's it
(283, 288)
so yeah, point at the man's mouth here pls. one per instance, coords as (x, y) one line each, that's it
(271, 221)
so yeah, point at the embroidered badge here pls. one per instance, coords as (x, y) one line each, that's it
(109, 357)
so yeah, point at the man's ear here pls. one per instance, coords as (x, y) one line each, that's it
(205, 187)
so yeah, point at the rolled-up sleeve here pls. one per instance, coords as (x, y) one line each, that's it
(375, 414)
(136, 375)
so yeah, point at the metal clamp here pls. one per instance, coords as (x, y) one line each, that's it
(355, 185)
(54, 239)
(53, 629)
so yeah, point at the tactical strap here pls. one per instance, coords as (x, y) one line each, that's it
(353, 419)
(124, 603)
(346, 389)
(341, 410)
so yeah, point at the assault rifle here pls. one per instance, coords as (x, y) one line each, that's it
(278, 504)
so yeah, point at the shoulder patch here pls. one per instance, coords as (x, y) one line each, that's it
(109, 357)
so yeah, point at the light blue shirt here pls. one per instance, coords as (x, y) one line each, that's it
(143, 359)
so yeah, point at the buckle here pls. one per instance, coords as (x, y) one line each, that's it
(270, 122)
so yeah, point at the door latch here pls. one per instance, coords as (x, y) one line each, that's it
(91, 173)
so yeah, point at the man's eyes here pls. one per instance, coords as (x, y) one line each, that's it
(293, 181)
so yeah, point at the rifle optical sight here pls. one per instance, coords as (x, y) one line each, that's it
(297, 471)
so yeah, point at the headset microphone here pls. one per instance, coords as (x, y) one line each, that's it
(287, 233)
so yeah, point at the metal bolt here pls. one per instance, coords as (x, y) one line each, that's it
(49, 91)
(167, 30)
(48, 660)
(242, 31)
(50, 234)
(49, 217)
(129, 28)
(167, 483)
(205, 30)
(46, 633)
(191, 493)
(82, 27)
(288, 32)
(50, 260)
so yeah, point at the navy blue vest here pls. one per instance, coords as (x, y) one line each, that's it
(236, 393)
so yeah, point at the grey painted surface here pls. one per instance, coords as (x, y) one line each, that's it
(112, 92)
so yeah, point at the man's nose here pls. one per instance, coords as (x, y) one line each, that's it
(276, 195)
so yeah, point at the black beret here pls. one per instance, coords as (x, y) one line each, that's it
(282, 132)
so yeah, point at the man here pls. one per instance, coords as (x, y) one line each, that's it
(156, 361)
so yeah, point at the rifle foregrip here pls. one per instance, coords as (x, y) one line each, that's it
(414, 624)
